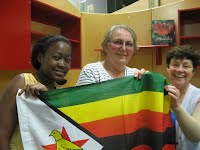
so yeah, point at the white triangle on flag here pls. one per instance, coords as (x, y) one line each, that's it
(37, 121)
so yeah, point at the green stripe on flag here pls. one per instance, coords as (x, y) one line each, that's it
(90, 93)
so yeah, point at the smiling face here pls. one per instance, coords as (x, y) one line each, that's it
(180, 72)
(56, 61)
(120, 48)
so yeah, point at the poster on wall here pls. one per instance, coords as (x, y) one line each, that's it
(163, 32)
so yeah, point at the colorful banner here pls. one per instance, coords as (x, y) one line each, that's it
(120, 114)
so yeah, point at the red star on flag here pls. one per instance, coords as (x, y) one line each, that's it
(66, 137)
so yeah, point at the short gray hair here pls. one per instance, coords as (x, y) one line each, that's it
(110, 32)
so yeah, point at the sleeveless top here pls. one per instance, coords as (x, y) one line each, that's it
(189, 102)
(16, 141)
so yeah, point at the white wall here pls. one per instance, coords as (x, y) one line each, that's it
(100, 6)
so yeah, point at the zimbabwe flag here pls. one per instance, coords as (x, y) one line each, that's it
(121, 114)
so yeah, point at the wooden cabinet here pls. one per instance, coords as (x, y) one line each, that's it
(189, 26)
(158, 53)
(48, 20)
(15, 35)
(23, 22)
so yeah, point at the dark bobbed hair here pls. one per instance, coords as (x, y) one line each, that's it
(109, 34)
(42, 45)
(184, 51)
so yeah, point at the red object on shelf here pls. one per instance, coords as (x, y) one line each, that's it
(159, 56)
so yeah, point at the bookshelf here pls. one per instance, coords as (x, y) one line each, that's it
(158, 52)
(188, 26)
(30, 21)
(66, 24)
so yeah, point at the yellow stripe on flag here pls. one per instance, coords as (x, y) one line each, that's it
(117, 106)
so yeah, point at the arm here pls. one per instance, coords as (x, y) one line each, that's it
(8, 111)
(190, 125)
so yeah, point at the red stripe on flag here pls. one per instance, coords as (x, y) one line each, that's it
(142, 147)
(129, 123)
(168, 147)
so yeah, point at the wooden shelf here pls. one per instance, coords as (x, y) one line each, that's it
(158, 51)
(144, 46)
(67, 24)
(46, 15)
(73, 41)
(153, 46)
(188, 25)
(37, 35)
(189, 16)
(98, 49)
(43, 13)
(189, 37)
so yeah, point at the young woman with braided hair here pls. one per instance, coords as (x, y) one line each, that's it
(51, 58)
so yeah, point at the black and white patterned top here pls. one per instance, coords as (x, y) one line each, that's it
(95, 72)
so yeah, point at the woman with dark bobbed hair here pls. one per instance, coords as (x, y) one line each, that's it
(182, 62)
(51, 58)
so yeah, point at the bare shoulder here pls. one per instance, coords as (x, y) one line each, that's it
(17, 82)
(8, 111)
(11, 89)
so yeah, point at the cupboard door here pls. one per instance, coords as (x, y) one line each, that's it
(15, 35)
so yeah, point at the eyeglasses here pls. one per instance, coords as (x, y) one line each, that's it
(120, 43)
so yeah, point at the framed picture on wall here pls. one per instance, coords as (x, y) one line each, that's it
(163, 32)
